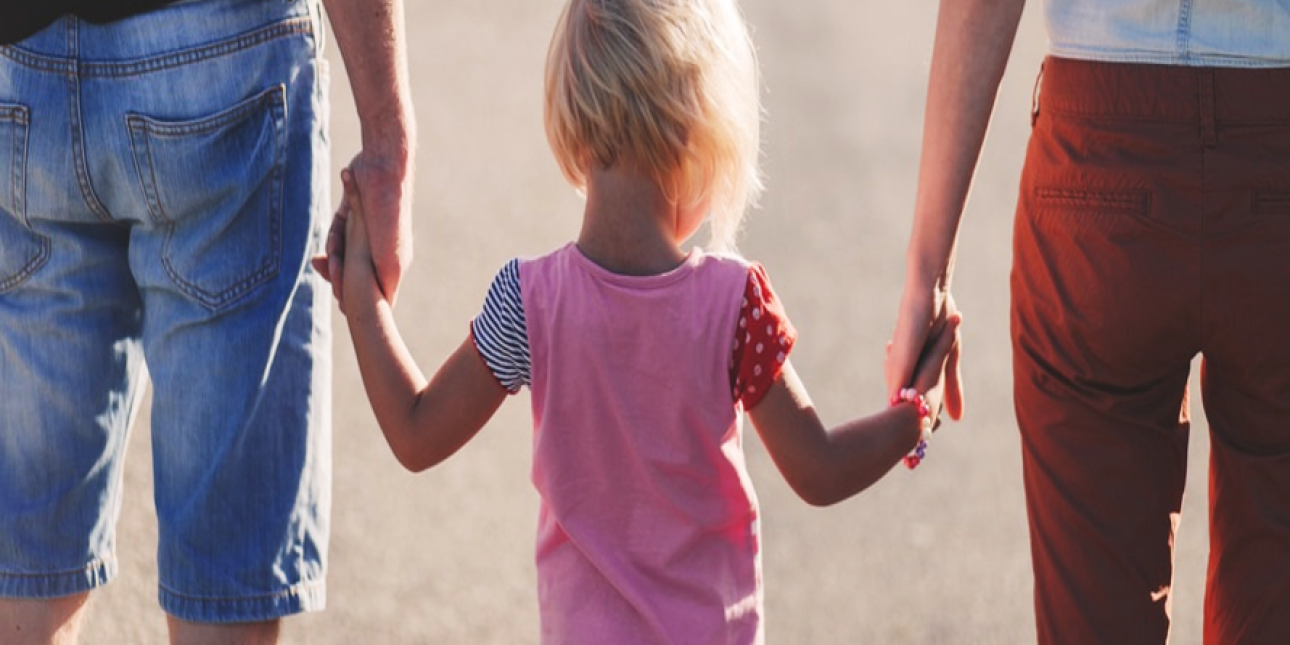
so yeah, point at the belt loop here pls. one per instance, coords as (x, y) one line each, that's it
(71, 37)
(1034, 95)
(1208, 130)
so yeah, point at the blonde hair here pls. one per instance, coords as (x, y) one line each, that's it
(670, 84)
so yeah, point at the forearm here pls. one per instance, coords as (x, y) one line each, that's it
(370, 34)
(826, 466)
(859, 452)
(423, 422)
(972, 43)
(391, 378)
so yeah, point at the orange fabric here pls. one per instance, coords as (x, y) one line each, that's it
(1154, 224)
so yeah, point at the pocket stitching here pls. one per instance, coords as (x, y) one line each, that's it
(143, 128)
(274, 96)
(38, 260)
(1270, 202)
(20, 116)
(1128, 200)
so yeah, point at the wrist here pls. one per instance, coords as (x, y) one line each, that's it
(918, 402)
(392, 136)
(363, 294)
(922, 277)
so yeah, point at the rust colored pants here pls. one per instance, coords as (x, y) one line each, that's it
(1154, 225)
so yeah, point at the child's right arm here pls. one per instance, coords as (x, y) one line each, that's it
(825, 466)
(423, 422)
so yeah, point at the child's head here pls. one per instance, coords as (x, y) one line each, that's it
(671, 85)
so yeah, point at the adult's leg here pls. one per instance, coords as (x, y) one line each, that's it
(1246, 374)
(69, 378)
(186, 633)
(1104, 325)
(55, 621)
(70, 357)
(1104, 460)
(222, 157)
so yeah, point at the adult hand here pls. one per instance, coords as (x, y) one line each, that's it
(930, 375)
(922, 318)
(384, 186)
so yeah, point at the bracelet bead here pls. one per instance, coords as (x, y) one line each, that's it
(912, 397)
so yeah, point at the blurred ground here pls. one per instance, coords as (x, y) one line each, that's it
(936, 556)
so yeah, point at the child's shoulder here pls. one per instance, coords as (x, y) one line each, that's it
(756, 285)
(513, 267)
(725, 258)
(752, 270)
(546, 256)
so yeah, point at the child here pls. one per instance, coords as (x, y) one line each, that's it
(640, 356)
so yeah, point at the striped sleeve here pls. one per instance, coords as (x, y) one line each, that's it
(500, 333)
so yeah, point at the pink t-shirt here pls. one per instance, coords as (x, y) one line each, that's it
(647, 531)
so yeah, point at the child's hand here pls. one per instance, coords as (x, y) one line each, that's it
(349, 249)
(347, 264)
(358, 274)
(330, 264)
(929, 374)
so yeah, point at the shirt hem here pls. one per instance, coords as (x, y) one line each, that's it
(1164, 58)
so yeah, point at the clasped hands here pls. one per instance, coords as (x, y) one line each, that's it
(925, 348)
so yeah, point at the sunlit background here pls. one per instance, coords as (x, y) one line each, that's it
(935, 556)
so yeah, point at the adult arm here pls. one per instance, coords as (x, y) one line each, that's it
(971, 48)
(371, 36)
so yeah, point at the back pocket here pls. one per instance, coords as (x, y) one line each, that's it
(1271, 201)
(21, 250)
(214, 185)
(1096, 202)
(1079, 209)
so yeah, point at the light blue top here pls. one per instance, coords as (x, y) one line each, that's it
(1211, 33)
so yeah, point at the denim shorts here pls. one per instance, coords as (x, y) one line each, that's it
(163, 182)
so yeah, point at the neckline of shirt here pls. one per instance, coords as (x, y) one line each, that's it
(685, 268)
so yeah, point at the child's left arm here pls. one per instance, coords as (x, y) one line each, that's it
(423, 422)
(827, 465)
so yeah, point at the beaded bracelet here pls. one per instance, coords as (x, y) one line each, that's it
(911, 396)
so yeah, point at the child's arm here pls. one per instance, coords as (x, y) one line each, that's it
(424, 423)
(826, 466)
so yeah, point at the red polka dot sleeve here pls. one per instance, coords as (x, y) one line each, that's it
(763, 338)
